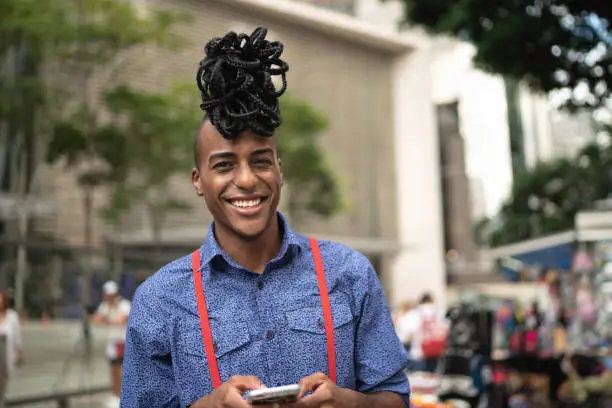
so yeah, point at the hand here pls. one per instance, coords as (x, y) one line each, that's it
(229, 394)
(324, 392)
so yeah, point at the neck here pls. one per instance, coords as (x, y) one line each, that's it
(252, 254)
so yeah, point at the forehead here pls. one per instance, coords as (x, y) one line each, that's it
(211, 142)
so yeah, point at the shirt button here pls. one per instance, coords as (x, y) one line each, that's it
(260, 285)
(270, 335)
(320, 323)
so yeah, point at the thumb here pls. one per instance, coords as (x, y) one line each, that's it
(247, 382)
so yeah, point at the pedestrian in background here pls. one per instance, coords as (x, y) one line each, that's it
(11, 349)
(113, 312)
(405, 321)
(428, 331)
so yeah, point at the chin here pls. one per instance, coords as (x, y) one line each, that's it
(250, 232)
(248, 229)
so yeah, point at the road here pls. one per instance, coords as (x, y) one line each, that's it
(55, 361)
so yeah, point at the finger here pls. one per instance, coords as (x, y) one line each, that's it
(246, 382)
(319, 398)
(235, 400)
(311, 382)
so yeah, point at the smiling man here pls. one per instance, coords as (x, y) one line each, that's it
(257, 305)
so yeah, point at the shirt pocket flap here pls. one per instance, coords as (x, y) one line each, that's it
(310, 319)
(230, 337)
(227, 336)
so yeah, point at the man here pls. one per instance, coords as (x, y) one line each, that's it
(113, 312)
(258, 305)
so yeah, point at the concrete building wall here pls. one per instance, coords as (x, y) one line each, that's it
(455, 186)
(420, 267)
(482, 118)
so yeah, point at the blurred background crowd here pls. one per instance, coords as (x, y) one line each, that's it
(463, 146)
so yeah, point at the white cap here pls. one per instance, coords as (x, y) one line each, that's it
(110, 288)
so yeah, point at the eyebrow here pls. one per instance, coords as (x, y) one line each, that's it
(266, 150)
(222, 155)
(225, 155)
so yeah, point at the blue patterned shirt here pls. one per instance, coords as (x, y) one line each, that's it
(268, 325)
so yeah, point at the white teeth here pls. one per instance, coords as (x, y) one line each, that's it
(246, 203)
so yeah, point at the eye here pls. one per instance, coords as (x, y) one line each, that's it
(262, 162)
(224, 165)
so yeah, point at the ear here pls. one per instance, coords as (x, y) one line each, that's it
(280, 167)
(197, 181)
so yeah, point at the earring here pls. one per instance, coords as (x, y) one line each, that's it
(199, 193)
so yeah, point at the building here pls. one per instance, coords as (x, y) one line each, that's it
(459, 242)
(347, 7)
(382, 139)
(386, 15)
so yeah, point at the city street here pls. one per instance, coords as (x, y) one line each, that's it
(55, 361)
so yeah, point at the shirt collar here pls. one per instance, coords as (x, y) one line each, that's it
(291, 244)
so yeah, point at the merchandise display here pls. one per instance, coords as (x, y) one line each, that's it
(507, 352)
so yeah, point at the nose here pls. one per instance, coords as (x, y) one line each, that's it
(244, 178)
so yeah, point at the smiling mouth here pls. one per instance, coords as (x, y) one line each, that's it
(252, 203)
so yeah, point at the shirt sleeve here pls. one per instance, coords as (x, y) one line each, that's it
(380, 358)
(148, 379)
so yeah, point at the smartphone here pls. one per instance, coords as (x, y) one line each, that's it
(282, 395)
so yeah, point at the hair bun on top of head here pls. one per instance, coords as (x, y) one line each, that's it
(235, 79)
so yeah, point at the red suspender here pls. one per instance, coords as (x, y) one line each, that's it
(205, 323)
(327, 314)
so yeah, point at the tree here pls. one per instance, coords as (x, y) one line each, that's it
(552, 45)
(547, 198)
(93, 40)
(155, 132)
(25, 32)
(313, 185)
(72, 38)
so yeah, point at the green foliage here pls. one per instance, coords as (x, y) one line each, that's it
(155, 131)
(70, 145)
(545, 199)
(70, 39)
(552, 45)
(313, 186)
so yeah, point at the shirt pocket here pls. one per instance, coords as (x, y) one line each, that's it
(310, 319)
(306, 343)
(230, 341)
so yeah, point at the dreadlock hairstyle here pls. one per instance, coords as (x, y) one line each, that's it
(235, 79)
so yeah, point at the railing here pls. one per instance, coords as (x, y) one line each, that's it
(61, 398)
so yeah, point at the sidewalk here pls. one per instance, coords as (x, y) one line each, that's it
(55, 361)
